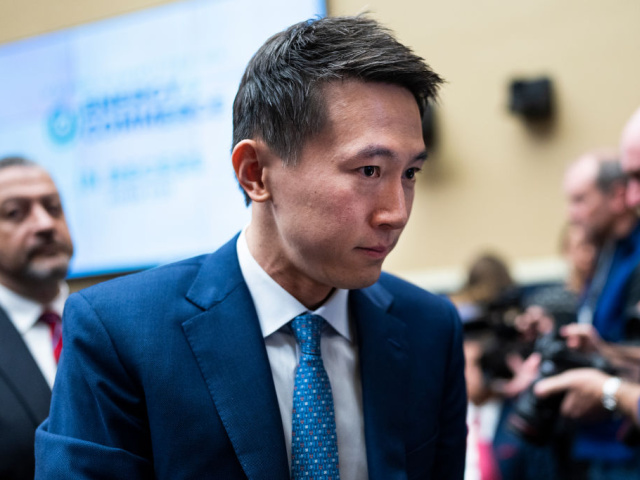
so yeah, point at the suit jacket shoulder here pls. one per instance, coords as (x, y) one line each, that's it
(170, 370)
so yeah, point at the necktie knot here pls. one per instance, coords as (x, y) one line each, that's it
(307, 329)
(50, 318)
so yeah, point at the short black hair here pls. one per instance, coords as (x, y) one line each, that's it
(16, 161)
(280, 95)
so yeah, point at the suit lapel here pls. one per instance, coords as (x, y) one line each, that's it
(20, 371)
(384, 367)
(228, 344)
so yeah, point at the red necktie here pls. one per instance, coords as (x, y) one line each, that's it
(55, 327)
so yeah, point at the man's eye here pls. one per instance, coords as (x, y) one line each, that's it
(14, 211)
(411, 173)
(370, 171)
(54, 209)
(13, 214)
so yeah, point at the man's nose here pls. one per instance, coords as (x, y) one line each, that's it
(393, 206)
(573, 213)
(41, 219)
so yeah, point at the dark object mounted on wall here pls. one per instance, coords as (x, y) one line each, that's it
(532, 98)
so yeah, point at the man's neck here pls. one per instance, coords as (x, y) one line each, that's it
(304, 289)
(41, 292)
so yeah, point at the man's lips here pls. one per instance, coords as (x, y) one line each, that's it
(377, 251)
(47, 250)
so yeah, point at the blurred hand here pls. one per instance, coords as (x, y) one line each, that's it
(534, 322)
(583, 387)
(582, 337)
(524, 373)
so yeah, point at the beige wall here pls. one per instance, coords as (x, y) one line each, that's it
(492, 182)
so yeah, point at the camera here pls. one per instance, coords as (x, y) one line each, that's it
(492, 326)
(534, 418)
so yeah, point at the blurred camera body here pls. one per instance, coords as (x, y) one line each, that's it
(534, 418)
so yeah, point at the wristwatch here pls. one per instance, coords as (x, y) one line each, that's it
(609, 390)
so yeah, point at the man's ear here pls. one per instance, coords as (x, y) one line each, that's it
(248, 163)
(618, 196)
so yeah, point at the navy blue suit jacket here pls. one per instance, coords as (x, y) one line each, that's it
(24, 403)
(165, 374)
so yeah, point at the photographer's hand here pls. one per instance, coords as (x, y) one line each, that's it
(583, 387)
(583, 337)
(524, 373)
(533, 322)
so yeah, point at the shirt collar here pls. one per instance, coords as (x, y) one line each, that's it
(24, 312)
(276, 307)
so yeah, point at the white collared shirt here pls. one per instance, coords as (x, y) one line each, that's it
(276, 308)
(24, 314)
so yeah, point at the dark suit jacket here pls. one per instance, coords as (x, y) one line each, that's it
(24, 403)
(165, 375)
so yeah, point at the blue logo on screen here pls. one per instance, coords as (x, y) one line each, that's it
(62, 125)
(132, 111)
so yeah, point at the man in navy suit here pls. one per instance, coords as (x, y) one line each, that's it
(35, 250)
(187, 371)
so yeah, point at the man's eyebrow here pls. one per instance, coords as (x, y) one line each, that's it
(378, 151)
(10, 200)
(28, 198)
(423, 155)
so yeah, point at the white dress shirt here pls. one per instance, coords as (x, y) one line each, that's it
(276, 308)
(24, 314)
(482, 422)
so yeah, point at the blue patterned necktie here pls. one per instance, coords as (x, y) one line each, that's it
(314, 444)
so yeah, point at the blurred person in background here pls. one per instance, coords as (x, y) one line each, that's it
(595, 186)
(494, 452)
(495, 370)
(488, 278)
(546, 311)
(596, 189)
(488, 282)
(484, 412)
(35, 249)
(590, 392)
(554, 306)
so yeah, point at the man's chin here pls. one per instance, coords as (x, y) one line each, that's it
(366, 279)
(48, 270)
